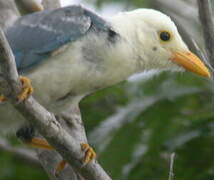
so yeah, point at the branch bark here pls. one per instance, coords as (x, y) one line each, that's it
(204, 9)
(46, 123)
(28, 6)
(8, 13)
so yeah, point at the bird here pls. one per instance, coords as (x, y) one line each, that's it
(71, 52)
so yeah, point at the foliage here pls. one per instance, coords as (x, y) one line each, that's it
(15, 169)
(165, 114)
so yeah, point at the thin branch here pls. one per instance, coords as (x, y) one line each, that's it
(8, 13)
(171, 173)
(49, 161)
(20, 153)
(204, 8)
(45, 121)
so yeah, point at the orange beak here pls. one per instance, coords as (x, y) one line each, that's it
(190, 62)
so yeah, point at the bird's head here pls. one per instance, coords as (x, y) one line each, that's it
(159, 44)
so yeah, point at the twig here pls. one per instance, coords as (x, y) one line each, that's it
(8, 13)
(45, 121)
(204, 9)
(171, 173)
(20, 153)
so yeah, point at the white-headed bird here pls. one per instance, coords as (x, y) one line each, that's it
(71, 52)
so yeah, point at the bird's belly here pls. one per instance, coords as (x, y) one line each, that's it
(68, 77)
(62, 80)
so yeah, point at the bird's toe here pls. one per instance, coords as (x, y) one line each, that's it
(27, 135)
(27, 89)
(89, 153)
(60, 166)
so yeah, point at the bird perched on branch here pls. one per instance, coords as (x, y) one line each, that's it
(71, 52)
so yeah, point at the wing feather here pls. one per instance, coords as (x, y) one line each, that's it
(35, 36)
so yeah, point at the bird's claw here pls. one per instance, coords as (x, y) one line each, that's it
(89, 153)
(27, 89)
(60, 166)
(89, 156)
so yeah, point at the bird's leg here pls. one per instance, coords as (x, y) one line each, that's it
(89, 153)
(26, 91)
(59, 167)
(26, 134)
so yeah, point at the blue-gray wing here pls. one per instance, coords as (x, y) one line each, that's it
(33, 37)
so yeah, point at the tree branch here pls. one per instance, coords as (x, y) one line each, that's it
(204, 9)
(20, 153)
(171, 173)
(68, 146)
(8, 13)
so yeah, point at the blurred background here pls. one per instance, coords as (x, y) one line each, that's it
(136, 125)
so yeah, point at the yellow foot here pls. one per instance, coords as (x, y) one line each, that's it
(27, 89)
(2, 98)
(39, 143)
(89, 153)
(60, 166)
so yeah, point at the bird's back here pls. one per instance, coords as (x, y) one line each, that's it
(34, 37)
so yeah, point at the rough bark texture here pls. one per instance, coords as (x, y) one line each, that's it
(8, 13)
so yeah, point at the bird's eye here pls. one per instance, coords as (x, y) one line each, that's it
(165, 36)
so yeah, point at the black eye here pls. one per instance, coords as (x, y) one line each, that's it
(165, 36)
